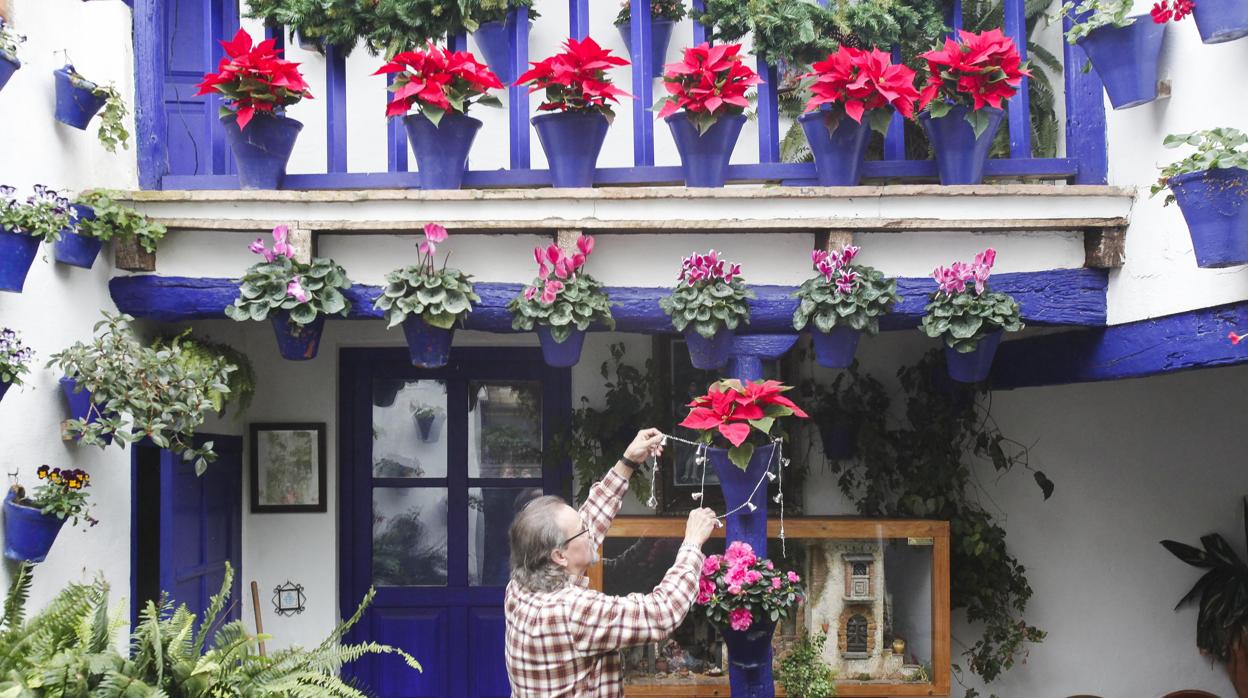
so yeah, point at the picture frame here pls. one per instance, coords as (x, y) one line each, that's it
(288, 467)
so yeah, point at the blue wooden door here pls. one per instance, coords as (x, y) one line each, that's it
(434, 465)
(201, 526)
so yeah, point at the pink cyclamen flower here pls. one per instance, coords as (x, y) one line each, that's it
(585, 244)
(847, 255)
(793, 577)
(259, 248)
(280, 235)
(427, 247)
(845, 282)
(295, 289)
(530, 293)
(435, 232)
(553, 287)
(740, 618)
(706, 589)
(775, 582)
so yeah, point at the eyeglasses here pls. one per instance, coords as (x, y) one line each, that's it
(565, 543)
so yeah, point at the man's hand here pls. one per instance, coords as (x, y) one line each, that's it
(648, 442)
(701, 523)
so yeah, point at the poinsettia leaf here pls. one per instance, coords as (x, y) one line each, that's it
(740, 455)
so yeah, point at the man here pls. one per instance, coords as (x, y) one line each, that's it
(562, 637)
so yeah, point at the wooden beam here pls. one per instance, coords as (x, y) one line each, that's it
(1181, 342)
(1105, 249)
(1057, 297)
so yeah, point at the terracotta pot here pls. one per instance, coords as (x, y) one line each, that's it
(1237, 666)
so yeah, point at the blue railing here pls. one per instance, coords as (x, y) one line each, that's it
(1085, 160)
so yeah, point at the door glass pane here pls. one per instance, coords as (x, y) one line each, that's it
(490, 512)
(409, 428)
(409, 536)
(505, 429)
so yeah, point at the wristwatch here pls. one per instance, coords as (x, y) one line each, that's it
(630, 463)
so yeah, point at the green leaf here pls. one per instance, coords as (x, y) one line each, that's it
(741, 455)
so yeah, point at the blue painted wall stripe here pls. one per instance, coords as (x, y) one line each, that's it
(578, 19)
(336, 109)
(643, 85)
(1019, 106)
(518, 97)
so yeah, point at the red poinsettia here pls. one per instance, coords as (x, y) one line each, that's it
(863, 83)
(732, 409)
(709, 82)
(985, 67)
(437, 81)
(1163, 11)
(254, 79)
(576, 79)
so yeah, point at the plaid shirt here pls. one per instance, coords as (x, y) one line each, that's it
(567, 642)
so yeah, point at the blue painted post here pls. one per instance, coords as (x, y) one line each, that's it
(518, 97)
(1085, 116)
(699, 29)
(223, 23)
(895, 139)
(149, 87)
(1020, 104)
(643, 85)
(335, 110)
(955, 18)
(396, 138)
(578, 19)
(768, 114)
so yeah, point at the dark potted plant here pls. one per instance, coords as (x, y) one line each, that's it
(1211, 187)
(23, 225)
(442, 85)
(707, 305)
(1122, 48)
(562, 304)
(31, 524)
(78, 100)
(1222, 594)
(257, 85)
(844, 300)
(969, 317)
(493, 24)
(428, 302)
(14, 360)
(803, 673)
(295, 297)
(664, 14)
(968, 83)
(578, 98)
(1219, 21)
(426, 416)
(100, 218)
(865, 87)
(9, 62)
(705, 109)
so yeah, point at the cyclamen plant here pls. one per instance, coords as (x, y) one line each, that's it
(254, 80)
(977, 71)
(843, 293)
(670, 10)
(710, 294)
(44, 214)
(1216, 148)
(576, 79)
(439, 297)
(562, 298)
(963, 310)
(736, 411)
(280, 284)
(738, 589)
(15, 357)
(437, 81)
(1089, 15)
(710, 82)
(63, 494)
(861, 83)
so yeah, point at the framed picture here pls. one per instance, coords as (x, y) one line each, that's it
(288, 468)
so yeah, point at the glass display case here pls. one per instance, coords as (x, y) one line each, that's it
(879, 590)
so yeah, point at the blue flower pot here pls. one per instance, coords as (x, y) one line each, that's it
(17, 253)
(836, 349)
(1126, 59)
(572, 141)
(660, 37)
(77, 250)
(81, 406)
(739, 486)
(425, 426)
(709, 354)
(839, 149)
(76, 105)
(8, 66)
(749, 659)
(1215, 205)
(973, 366)
(262, 150)
(1220, 21)
(561, 354)
(4, 388)
(297, 342)
(704, 158)
(494, 40)
(428, 346)
(960, 156)
(838, 439)
(442, 150)
(28, 532)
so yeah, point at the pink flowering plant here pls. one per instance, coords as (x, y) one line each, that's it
(709, 294)
(738, 589)
(563, 297)
(280, 283)
(843, 294)
(963, 310)
(441, 297)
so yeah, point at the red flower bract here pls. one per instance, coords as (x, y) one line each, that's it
(711, 80)
(576, 79)
(732, 408)
(437, 79)
(861, 81)
(255, 78)
(985, 66)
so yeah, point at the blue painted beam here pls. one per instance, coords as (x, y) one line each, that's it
(1059, 297)
(149, 89)
(1181, 342)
